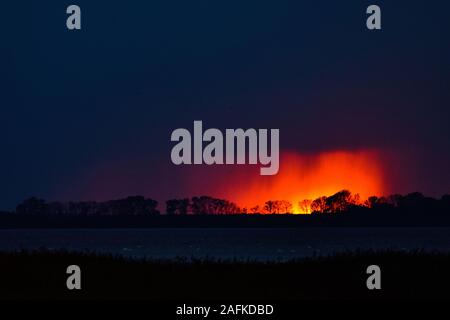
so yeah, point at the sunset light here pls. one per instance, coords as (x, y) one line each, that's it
(309, 177)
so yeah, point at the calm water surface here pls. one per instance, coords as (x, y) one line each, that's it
(261, 244)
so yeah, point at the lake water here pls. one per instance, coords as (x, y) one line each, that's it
(261, 244)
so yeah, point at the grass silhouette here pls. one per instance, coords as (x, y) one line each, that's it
(42, 275)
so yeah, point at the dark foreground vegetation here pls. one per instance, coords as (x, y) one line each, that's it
(42, 275)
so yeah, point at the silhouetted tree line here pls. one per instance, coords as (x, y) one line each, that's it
(344, 201)
(412, 201)
(415, 204)
(339, 202)
(136, 205)
(273, 207)
(210, 205)
(202, 205)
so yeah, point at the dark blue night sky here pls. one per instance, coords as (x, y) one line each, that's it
(88, 114)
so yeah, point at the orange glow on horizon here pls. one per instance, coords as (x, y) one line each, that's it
(309, 177)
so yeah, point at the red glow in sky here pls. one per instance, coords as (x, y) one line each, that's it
(307, 177)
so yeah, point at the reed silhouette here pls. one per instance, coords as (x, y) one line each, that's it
(41, 275)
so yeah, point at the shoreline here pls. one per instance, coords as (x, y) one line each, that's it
(351, 219)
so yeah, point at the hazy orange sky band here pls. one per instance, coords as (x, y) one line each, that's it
(308, 176)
